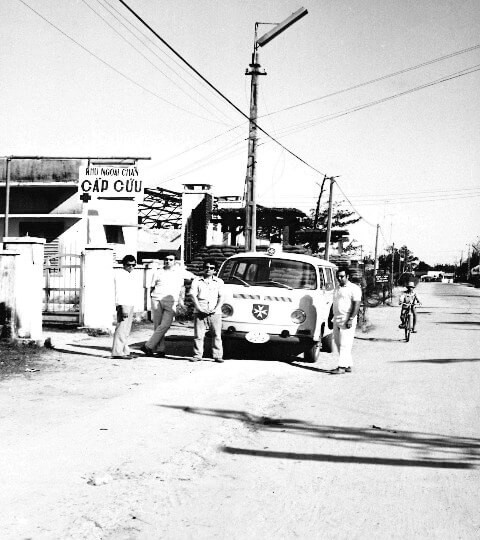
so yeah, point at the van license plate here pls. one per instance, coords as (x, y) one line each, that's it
(257, 337)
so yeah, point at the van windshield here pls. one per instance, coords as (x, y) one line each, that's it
(269, 272)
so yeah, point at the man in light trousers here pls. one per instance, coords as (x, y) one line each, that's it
(124, 282)
(166, 285)
(346, 303)
(207, 297)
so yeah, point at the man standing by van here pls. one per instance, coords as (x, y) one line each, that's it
(346, 303)
(207, 293)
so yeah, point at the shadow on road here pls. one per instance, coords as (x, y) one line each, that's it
(347, 459)
(470, 323)
(437, 361)
(303, 366)
(432, 450)
(80, 353)
(94, 347)
(388, 340)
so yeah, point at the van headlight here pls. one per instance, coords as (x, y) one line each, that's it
(227, 310)
(298, 316)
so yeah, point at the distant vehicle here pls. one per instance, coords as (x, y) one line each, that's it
(278, 298)
(475, 276)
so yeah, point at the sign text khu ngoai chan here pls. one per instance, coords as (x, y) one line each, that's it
(111, 182)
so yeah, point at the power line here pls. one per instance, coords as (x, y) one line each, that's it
(158, 163)
(109, 10)
(330, 117)
(312, 123)
(350, 202)
(410, 201)
(380, 199)
(109, 65)
(221, 94)
(154, 44)
(372, 81)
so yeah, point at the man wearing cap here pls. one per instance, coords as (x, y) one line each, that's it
(346, 303)
(409, 297)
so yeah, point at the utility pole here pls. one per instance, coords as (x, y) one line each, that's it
(329, 222)
(399, 264)
(317, 209)
(251, 177)
(7, 197)
(376, 253)
(468, 263)
(254, 72)
(391, 272)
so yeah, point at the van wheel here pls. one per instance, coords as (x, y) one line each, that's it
(312, 354)
(227, 345)
(327, 343)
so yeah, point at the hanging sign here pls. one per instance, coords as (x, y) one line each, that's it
(110, 182)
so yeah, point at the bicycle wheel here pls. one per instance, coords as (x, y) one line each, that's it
(373, 299)
(408, 327)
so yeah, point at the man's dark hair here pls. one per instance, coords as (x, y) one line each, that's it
(210, 261)
(129, 259)
(344, 269)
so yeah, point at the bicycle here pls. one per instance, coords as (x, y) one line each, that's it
(407, 321)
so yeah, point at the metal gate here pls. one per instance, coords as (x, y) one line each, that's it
(63, 290)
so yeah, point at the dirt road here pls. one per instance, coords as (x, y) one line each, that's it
(96, 448)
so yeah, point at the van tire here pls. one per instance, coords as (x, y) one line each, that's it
(228, 347)
(312, 353)
(327, 343)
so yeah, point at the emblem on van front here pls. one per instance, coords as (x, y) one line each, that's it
(260, 311)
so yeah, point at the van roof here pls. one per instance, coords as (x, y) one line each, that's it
(284, 255)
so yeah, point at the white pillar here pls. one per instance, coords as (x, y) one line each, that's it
(98, 302)
(192, 196)
(8, 278)
(29, 285)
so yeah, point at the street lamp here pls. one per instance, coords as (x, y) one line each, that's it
(250, 179)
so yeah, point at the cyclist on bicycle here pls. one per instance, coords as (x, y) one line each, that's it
(409, 298)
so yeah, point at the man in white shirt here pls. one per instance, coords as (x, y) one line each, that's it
(346, 303)
(207, 296)
(165, 289)
(124, 281)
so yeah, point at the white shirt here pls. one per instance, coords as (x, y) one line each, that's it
(207, 292)
(125, 288)
(343, 298)
(167, 284)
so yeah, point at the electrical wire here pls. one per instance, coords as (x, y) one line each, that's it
(326, 118)
(215, 157)
(353, 207)
(158, 48)
(379, 198)
(372, 81)
(155, 54)
(144, 88)
(221, 94)
(410, 201)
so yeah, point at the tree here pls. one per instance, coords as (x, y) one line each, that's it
(423, 267)
(318, 221)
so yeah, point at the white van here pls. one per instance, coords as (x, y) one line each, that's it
(278, 298)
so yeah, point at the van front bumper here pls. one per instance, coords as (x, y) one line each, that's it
(284, 338)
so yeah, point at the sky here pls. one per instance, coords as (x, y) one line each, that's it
(84, 78)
